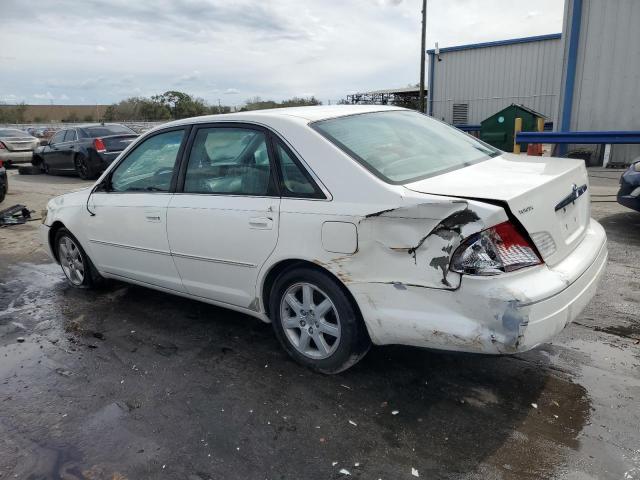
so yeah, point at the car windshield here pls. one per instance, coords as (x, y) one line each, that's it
(11, 132)
(106, 130)
(403, 146)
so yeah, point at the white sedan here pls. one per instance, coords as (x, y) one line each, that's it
(343, 226)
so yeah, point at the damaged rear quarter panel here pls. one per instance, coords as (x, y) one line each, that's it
(408, 245)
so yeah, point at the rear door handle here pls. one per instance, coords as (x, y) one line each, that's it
(261, 223)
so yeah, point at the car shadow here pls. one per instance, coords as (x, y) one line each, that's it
(623, 226)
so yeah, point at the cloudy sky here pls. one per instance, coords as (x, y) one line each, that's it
(101, 51)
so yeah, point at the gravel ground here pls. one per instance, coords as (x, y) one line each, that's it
(129, 383)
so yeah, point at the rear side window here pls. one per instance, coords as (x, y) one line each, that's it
(232, 161)
(295, 180)
(70, 136)
(150, 166)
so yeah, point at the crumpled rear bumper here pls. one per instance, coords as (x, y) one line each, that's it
(502, 314)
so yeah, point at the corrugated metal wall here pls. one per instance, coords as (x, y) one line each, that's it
(491, 78)
(607, 82)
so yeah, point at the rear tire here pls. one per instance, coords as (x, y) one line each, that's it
(316, 322)
(75, 263)
(83, 169)
(3, 191)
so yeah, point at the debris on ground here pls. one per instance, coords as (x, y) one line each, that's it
(414, 472)
(534, 405)
(395, 412)
(16, 215)
(344, 471)
(353, 423)
(20, 339)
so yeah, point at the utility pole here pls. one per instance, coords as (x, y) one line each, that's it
(422, 53)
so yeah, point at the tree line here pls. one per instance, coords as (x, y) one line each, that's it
(173, 105)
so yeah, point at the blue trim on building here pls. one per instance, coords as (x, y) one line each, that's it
(431, 91)
(572, 61)
(498, 43)
(580, 138)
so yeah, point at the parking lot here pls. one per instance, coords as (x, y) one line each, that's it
(130, 383)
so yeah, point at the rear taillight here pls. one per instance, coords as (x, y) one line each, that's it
(1, 164)
(493, 251)
(2, 146)
(98, 144)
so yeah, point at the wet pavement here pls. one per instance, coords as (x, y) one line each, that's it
(129, 383)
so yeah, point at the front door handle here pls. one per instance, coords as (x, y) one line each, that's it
(261, 223)
(152, 216)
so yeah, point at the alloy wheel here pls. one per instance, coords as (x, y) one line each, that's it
(71, 260)
(310, 320)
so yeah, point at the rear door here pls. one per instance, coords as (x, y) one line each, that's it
(222, 223)
(128, 232)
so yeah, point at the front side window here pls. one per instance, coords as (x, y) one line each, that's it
(58, 137)
(233, 161)
(296, 182)
(403, 146)
(150, 165)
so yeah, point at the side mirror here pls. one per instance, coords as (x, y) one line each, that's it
(44, 142)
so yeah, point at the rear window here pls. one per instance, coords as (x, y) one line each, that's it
(403, 146)
(106, 130)
(10, 132)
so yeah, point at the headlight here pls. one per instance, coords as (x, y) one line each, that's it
(636, 166)
(493, 251)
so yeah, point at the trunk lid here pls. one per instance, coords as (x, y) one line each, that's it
(117, 143)
(20, 144)
(548, 196)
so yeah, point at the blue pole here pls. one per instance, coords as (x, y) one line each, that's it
(572, 61)
(431, 90)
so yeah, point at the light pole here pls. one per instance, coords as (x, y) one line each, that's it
(422, 53)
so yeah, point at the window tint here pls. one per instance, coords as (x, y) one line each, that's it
(296, 182)
(403, 146)
(70, 136)
(229, 161)
(58, 137)
(149, 167)
(10, 132)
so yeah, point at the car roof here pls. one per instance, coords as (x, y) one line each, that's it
(307, 114)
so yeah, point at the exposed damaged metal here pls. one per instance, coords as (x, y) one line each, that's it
(15, 215)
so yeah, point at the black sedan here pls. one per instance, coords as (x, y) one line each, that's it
(629, 193)
(86, 150)
(4, 182)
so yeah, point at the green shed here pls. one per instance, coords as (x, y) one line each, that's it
(498, 129)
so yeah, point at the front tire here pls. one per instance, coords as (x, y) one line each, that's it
(75, 263)
(316, 322)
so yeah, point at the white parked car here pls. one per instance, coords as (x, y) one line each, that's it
(344, 226)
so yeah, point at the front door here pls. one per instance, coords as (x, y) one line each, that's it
(127, 234)
(223, 224)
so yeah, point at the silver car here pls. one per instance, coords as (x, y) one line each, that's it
(16, 146)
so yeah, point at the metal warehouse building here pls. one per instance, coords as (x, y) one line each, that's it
(468, 83)
(585, 79)
(600, 85)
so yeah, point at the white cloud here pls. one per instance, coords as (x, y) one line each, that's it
(328, 47)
